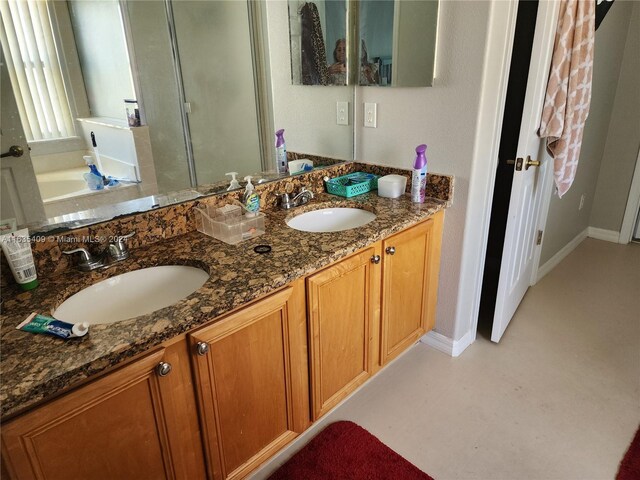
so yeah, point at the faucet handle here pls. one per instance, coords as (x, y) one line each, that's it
(302, 197)
(304, 189)
(118, 248)
(284, 200)
(87, 262)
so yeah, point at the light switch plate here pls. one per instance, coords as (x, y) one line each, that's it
(370, 115)
(342, 113)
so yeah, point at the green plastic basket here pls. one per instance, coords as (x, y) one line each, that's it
(352, 184)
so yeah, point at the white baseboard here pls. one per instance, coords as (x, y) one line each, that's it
(558, 257)
(602, 234)
(448, 345)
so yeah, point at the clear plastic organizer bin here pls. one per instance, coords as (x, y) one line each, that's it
(228, 224)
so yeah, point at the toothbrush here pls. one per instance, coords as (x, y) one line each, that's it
(96, 153)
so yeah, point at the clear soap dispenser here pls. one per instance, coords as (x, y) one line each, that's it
(250, 199)
(234, 183)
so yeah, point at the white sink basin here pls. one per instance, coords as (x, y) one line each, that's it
(331, 219)
(131, 294)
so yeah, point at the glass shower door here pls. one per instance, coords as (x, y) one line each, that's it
(216, 60)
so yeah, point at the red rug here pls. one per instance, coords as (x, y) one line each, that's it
(345, 451)
(630, 464)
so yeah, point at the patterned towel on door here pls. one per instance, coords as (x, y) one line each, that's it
(568, 96)
(314, 57)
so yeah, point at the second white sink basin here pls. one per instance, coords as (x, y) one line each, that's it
(131, 294)
(331, 219)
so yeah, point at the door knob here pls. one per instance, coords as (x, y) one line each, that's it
(202, 348)
(531, 163)
(14, 151)
(163, 369)
(390, 250)
(375, 259)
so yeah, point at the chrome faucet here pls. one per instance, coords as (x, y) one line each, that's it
(303, 197)
(116, 251)
(286, 202)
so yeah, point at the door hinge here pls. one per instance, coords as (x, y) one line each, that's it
(539, 238)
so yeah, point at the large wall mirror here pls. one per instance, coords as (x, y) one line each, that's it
(164, 96)
(363, 42)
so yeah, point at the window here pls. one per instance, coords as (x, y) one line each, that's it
(30, 52)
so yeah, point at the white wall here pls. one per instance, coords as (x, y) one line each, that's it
(445, 118)
(623, 137)
(565, 221)
(307, 113)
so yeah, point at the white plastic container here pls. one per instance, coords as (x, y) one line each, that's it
(392, 186)
(300, 165)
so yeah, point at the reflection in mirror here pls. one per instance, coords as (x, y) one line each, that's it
(198, 73)
(409, 28)
(395, 43)
(76, 102)
(318, 45)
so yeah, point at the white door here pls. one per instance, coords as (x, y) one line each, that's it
(19, 192)
(524, 206)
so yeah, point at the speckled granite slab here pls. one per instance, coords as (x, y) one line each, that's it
(167, 222)
(34, 367)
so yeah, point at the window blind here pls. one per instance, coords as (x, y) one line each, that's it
(34, 68)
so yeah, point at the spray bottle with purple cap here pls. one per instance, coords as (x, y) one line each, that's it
(282, 167)
(419, 176)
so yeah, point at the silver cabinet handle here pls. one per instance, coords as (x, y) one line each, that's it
(202, 348)
(163, 369)
(375, 259)
(390, 250)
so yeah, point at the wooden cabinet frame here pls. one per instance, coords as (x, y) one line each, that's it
(323, 371)
(227, 456)
(422, 243)
(32, 444)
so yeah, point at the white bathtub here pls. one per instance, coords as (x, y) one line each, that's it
(62, 184)
(65, 191)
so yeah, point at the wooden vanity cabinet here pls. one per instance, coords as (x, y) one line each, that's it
(365, 310)
(410, 266)
(342, 308)
(260, 375)
(252, 382)
(131, 423)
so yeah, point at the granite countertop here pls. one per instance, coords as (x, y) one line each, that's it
(35, 367)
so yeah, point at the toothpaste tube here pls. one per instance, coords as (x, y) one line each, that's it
(16, 247)
(36, 323)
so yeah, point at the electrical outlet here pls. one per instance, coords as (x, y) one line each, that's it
(342, 113)
(581, 202)
(370, 115)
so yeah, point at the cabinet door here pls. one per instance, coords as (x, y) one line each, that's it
(122, 425)
(341, 304)
(410, 268)
(252, 382)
